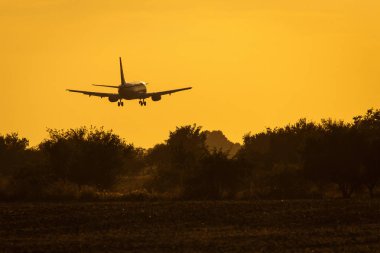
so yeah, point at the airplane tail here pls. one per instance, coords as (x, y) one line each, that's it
(121, 72)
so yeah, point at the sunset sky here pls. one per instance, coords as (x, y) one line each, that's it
(252, 64)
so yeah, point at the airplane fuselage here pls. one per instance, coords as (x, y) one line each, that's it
(132, 90)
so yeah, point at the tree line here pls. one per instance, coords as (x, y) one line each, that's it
(301, 160)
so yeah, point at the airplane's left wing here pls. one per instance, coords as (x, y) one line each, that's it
(166, 92)
(96, 94)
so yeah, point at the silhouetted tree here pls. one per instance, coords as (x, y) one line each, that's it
(268, 157)
(89, 156)
(371, 173)
(164, 175)
(12, 152)
(336, 157)
(368, 126)
(284, 162)
(23, 170)
(216, 177)
(178, 159)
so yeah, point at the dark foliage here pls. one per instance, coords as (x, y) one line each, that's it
(89, 156)
(301, 160)
(368, 127)
(335, 157)
(178, 159)
(272, 161)
(71, 160)
(217, 177)
(13, 152)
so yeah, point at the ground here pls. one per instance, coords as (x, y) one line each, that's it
(221, 226)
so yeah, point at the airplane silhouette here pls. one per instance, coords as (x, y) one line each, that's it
(129, 91)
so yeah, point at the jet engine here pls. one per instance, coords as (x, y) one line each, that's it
(156, 97)
(113, 98)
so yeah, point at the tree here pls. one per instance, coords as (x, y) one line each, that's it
(12, 152)
(369, 128)
(23, 170)
(335, 157)
(217, 177)
(270, 156)
(88, 156)
(178, 158)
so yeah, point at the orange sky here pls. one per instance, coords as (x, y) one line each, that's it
(253, 64)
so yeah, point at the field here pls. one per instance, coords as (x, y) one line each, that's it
(221, 226)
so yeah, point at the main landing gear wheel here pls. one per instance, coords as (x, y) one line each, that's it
(120, 103)
(142, 103)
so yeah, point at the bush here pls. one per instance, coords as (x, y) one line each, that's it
(88, 156)
(64, 190)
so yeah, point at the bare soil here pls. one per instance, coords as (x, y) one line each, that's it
(220, 226)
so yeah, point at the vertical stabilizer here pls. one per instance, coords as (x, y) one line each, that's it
(121, 72)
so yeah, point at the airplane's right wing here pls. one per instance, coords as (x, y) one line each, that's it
(96, 94)
(166, 92)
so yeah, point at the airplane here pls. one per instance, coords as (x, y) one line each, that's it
(129, 91)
